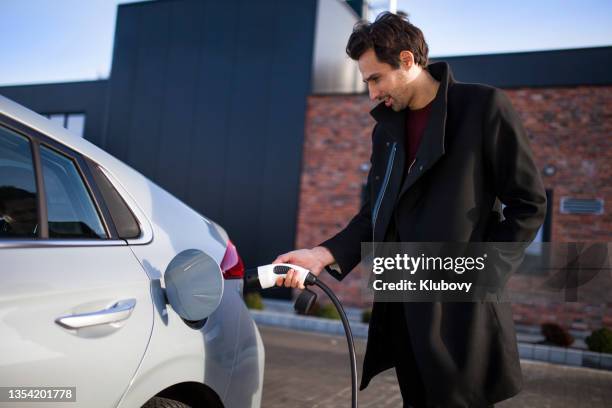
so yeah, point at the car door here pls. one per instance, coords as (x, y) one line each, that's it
(75, 305)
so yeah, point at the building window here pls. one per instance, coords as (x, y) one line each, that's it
(74, 122)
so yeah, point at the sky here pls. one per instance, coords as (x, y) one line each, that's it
(44, 41)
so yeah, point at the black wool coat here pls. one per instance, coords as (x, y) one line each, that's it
(474, 155)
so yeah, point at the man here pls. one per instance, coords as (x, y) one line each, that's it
(445, 155)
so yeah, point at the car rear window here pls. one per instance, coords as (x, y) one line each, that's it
(125, 222)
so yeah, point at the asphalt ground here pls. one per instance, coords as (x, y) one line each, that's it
(305, 369)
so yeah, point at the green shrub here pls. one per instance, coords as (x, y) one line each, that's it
(253, 301)
(366, 315)
(600, 340)
(556, 335)
(327, 311)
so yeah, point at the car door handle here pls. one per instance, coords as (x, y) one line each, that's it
(119, 311)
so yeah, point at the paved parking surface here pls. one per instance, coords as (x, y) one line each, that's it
(312, 370)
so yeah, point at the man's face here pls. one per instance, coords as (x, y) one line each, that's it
(385, 83)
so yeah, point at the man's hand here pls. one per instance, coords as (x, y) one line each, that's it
(314, 260)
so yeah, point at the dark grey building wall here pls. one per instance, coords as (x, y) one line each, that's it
(73, 97)
(571, 67)
(208, 99)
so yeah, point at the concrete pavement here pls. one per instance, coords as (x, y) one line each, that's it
(308, 370)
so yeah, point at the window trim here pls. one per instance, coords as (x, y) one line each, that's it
(36, 139)
(59, 243)
(41, 200)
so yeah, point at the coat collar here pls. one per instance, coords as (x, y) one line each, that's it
(432, 143)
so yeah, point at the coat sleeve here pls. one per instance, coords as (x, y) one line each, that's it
(345, 246)
(512, 174)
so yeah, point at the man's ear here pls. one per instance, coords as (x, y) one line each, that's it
(406, 59)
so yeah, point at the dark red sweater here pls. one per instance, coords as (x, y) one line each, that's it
(416, 120)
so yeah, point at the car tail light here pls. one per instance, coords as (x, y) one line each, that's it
(231, 265)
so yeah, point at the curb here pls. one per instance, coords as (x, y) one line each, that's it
(527, 351)
(307, 323)
(565, 356)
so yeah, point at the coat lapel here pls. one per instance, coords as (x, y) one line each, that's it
(393, 123)
(432, 146)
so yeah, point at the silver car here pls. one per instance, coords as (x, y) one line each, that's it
(87, 314)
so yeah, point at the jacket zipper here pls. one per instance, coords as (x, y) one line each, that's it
(381, 194)
(410, 167)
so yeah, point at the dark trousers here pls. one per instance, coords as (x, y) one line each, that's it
(410, 382)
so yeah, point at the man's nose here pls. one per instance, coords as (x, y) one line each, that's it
(374, 94)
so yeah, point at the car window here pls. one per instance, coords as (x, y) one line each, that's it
(125, 222)
(70, 209)
(18, 203)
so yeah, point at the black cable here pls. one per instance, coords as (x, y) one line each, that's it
(252, 280)
(347, 331)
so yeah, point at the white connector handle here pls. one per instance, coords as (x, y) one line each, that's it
(269, 273)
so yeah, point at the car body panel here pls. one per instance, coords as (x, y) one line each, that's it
(226, 354)
(40, 285)
(234, 355)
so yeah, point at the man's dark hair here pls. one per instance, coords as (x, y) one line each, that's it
(388, 35)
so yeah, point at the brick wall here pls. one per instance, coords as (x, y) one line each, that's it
(570, 129)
